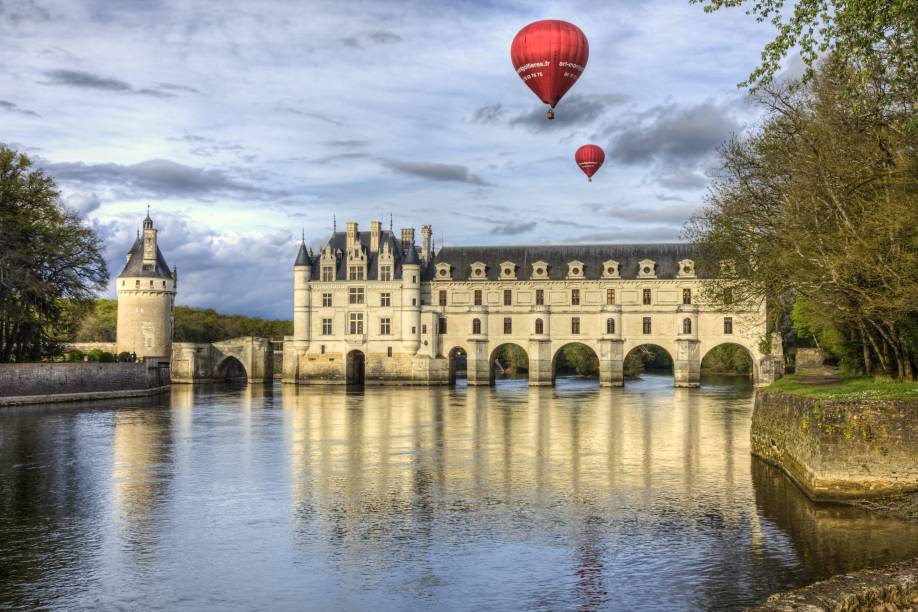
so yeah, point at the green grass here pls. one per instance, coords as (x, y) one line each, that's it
(848, 388)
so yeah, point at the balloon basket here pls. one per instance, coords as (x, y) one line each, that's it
(550, 114)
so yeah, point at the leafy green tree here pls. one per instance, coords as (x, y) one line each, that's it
(51, 264)
(577, 359)
(727, 359)
(513, 358)
(877, 38)
(821, 203)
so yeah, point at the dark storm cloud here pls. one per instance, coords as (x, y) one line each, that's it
(15, 108)
(513, 229)
(372, 37)
(671, 214)
(573, 110)
(159, 178)
(491, 113)
(434, 172)
(672, 132)
(88, 80)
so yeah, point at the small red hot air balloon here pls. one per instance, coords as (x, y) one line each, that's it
(589, 158)
(550, 56)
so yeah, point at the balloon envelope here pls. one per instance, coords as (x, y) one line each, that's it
(550, 56)
(590, 158)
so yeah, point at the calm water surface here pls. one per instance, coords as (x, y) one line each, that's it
(398, 498)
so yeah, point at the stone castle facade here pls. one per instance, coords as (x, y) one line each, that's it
(374, 307)
(146, 299)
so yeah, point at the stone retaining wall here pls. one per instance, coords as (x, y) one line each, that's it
(33, 383)
(837, 450)
(894, 587)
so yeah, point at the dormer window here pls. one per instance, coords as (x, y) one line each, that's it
(508, 270)
(647, 268)
(443, 272)
(478, 271)
(686, 269)
(540, 270)
(575, 269)
(610, 269)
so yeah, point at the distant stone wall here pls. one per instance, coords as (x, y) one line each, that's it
(31, 383)
(88, 346)
(839, 449)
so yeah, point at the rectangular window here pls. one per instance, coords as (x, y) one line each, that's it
(575, 325)
(423, 328)
(686, 296)
(610, 296)
(508, 325)
(355, 273)
(385, 326)
(646, 325)
(326, 300)
(442, 297)
(414, 301)
(647, 296)
(508, 297)
(385, 273)
(355, 322)
(728, 325)
(328, 273)
(478, 297)
(355, 295)
(322, 349)
(388, 351)
(414, 278)
(575, 297)
(540, 297)
(385, 299)
(442, 329)
(326, 327)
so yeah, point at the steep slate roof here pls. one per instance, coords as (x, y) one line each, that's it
(302, 257)
(338, 241)
(134, 266)
(666, 256)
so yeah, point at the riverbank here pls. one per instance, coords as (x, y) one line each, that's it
(891, 588)
(45, 383)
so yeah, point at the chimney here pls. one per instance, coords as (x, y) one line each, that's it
(375, 227)
(351, 235)
(407, 238)
(426, 233)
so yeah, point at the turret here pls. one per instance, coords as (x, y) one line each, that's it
(411, 294)
(302, 273)
(146, 298)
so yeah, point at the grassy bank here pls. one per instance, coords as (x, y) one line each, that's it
(846, 388)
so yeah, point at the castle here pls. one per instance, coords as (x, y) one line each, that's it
(146, 299)
(374, 307)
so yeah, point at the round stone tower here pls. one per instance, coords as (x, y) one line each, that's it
(146, 299)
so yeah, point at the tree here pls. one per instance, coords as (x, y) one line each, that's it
(51, 264)
(877, 38)
(821, 203)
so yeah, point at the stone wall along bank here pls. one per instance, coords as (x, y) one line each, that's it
(35, 383)
(837, 450)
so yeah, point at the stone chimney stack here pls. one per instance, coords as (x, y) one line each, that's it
(375, 227)
(426, 234)
(351, 235)
(407, 238)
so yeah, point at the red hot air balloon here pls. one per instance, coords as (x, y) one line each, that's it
(589, 158)
(550, 56)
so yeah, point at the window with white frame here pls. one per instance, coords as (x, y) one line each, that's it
(355, 322)
(355, 295)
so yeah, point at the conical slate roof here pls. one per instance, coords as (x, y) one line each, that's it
(135, 267)
(302, 257)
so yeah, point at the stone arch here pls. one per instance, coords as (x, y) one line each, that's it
(632, 347)
(558, 357)
(355, 367)
(494, 366)
(458, 358)
(750, 353)
(231, 369)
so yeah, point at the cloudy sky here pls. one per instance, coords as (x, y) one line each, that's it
(242, 123)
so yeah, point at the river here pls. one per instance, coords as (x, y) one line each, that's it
(395, 498)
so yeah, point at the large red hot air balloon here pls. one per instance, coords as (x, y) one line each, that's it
(550, 56)
(589, 158)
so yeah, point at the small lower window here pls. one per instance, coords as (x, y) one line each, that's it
(647, 325)
(728, 325)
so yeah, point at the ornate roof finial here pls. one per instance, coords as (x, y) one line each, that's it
(303, 238)
(334, 224)
(390, 223)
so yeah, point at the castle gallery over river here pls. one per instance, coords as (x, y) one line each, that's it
(373, 307)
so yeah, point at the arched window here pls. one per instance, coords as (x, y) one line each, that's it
(686, 326)
(476, 326)
(540, 327)
(610, 326)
